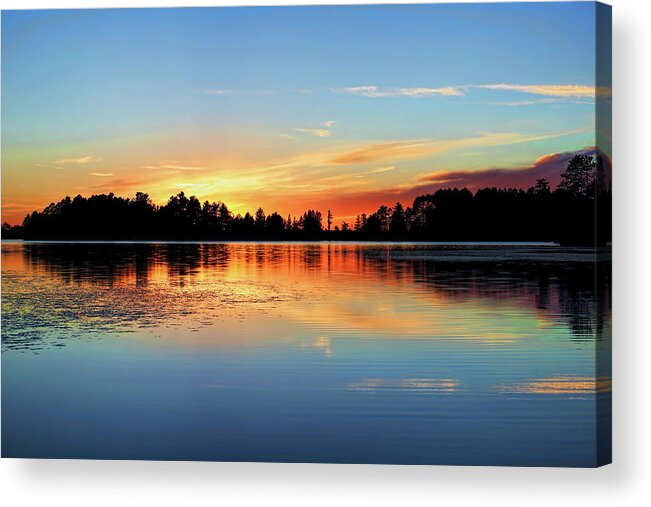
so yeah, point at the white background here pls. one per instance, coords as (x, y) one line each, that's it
(626, 482)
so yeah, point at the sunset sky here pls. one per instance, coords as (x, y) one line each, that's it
(340, 108)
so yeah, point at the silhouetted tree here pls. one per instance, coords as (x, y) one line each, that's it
(311, 223)
(384, 216)
(542, 187)
(275, 225)
(398, 222)
(372, 226)
(260, 220)
(579, 177)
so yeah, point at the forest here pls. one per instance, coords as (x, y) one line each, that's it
(576, 212)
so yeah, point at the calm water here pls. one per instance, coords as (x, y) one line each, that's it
(305, 352)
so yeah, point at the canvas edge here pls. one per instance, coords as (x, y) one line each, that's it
(603, 224)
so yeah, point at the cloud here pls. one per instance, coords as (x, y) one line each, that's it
(567, 91)
(548, 166)
(122, 185)
(519, 103)
(383, 151)
(103, 175)
(421, 148)
(218, 92)
(318, 132)
(383, 169)
(315, 132)
(79, 160)
(174, 166)
(48, 166)
(17, 207)
(561, 91)
(181, 167)
(375, 91)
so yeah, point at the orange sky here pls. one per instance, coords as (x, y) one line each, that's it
(289, 176)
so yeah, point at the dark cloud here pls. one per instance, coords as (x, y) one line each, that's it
(549, 167)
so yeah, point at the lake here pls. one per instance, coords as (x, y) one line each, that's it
(306, 352)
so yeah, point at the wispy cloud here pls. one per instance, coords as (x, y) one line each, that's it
(174, 166)
(48, 166)
(420, 92)
(520, 103)
(380, 170)
(78, 160)
(102, 175)
(325, 131)
(383, 151)
(569, 90)
(216, 91)
(421, 148)
(315, 132)
(181, 167)
(9, 206)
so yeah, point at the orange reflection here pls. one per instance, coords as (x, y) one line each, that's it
(563, 385)
(303, 293)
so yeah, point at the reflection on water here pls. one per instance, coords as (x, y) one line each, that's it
(305, 352)
(563, 385)
(411, 384)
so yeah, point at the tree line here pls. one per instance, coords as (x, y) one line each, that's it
(578, 212)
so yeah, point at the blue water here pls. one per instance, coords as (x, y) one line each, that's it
(347, 353)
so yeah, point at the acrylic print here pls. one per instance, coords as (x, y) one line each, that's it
(341, 234)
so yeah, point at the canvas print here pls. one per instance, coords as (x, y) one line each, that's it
(341, 234)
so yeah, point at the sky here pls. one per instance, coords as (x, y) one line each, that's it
(289, 108)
